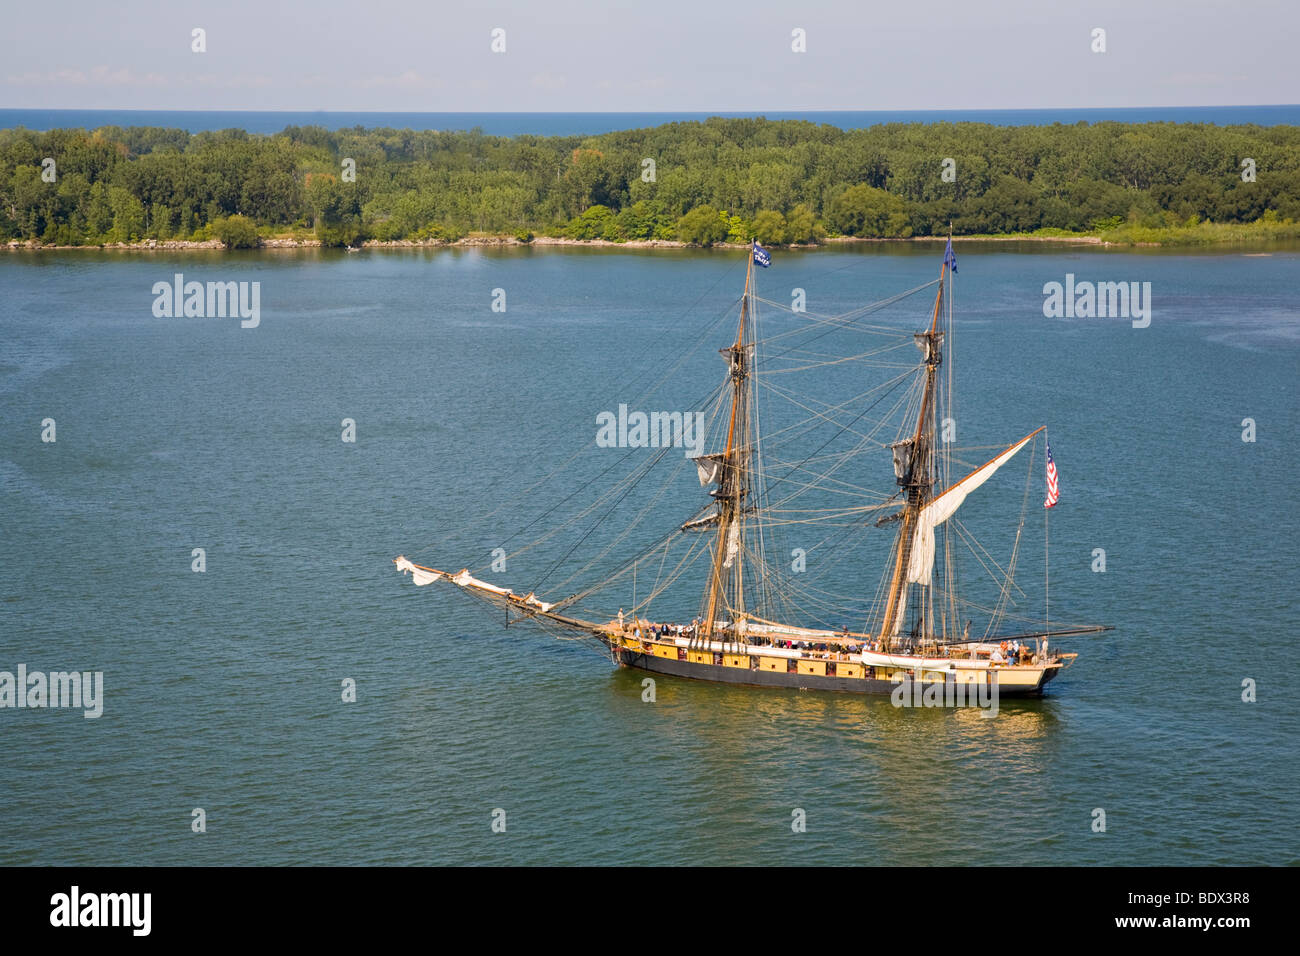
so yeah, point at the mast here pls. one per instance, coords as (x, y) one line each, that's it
(727, 570)
(1047, 567)
(913, 468)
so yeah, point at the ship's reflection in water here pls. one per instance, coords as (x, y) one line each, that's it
(876, 782)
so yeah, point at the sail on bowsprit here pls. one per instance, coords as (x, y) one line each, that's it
(783, 463)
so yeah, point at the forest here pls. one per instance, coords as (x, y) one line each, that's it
(698, 182)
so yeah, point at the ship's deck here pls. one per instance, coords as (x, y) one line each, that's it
(725, 658)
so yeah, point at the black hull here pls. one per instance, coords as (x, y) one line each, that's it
(761, 678)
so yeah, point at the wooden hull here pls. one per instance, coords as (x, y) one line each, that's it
(766, 678)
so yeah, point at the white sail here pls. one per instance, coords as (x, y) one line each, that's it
(537, 602)
(733, 545)
(709, 468)
(419, 576)
(877, 659)
(422, 576)
(466, 580)
(920, 564)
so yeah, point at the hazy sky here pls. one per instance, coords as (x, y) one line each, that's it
(690, 55)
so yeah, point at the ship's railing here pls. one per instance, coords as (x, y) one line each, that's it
(810, 654)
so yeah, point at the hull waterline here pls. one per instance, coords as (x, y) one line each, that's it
(754, 677)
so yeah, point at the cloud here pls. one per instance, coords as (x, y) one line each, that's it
(226, 81)
(99, 76)
(549, 81)
(410, 80)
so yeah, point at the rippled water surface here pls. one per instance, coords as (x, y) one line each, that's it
(222, 689)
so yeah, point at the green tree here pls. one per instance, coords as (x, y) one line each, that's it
(801, 226)
(337, 210)
(99, 214)
(645, 220)
(738, 229)
(866, 211)
(128, 215)
(591, 224)
(769, 227)
(236, 232)
(702, 226)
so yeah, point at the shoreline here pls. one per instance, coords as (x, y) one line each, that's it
(161, 188)
(179, 245)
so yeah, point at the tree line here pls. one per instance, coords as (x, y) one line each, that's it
(703, 182)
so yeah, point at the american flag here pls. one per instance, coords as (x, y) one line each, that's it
(1053, 489)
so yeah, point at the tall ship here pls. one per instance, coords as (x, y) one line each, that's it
(878, 461)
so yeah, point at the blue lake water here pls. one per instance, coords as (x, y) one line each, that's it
(592, 124)
(222, 689)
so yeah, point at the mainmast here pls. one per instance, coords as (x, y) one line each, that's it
(914, 471)
(726, 586)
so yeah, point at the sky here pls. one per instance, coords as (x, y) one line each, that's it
(655, 55)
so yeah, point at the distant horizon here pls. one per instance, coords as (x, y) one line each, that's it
(655, 112)
(599, 122)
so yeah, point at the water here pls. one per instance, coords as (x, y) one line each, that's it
(593, 124)
(223, 688)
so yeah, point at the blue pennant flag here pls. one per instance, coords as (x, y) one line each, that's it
(761, 256)
(950, 258)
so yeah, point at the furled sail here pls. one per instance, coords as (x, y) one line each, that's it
(902, 459)
(733, 545)
(709, 468)
(418, 575)
(422, 576)
(701, 522)
(920, 563)
(877, 659)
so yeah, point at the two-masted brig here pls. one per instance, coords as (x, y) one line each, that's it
(757, 623)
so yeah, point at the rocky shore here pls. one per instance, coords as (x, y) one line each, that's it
(169, 245)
